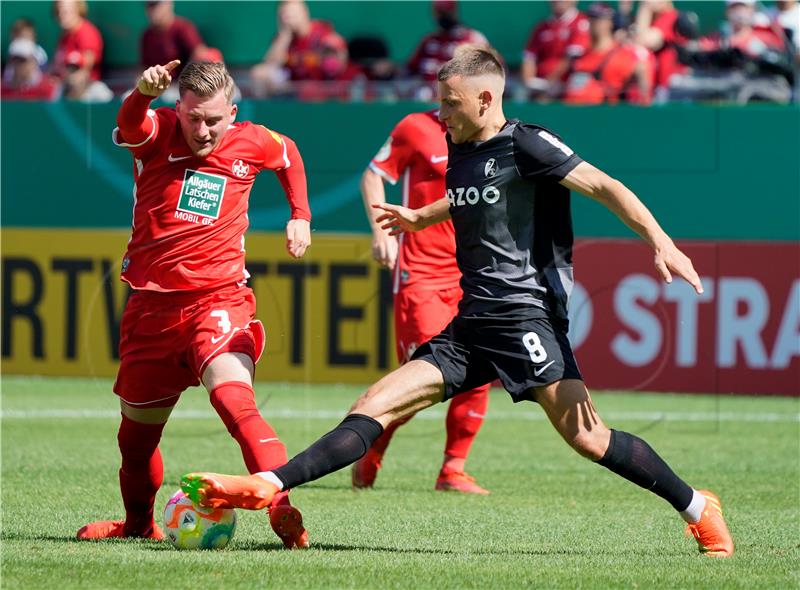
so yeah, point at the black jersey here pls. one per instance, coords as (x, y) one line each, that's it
(512, 219)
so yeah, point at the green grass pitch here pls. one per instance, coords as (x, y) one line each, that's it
(552, 520)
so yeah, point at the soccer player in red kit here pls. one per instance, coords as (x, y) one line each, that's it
(190, 318)
(426, 284)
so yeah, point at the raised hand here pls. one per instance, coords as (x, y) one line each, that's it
(155, 80)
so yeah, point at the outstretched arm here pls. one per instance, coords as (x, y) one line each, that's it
(399, 219)
(594, 183)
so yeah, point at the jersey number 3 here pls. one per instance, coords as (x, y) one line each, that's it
(533, 344)
(224, 321)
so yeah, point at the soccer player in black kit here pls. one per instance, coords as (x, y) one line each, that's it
(508, 194)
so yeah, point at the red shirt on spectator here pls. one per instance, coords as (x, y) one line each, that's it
(45, 89)
(178, 41)
(667, 62)
(437, 48)
(752, 42)
(603, 76)
(85, 37)
(557, 38)
(304, 59)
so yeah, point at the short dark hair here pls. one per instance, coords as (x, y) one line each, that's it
(470, 60)
(206, 78)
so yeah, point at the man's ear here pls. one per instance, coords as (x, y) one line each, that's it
(485, 100)
(234, 110)
(178, 106)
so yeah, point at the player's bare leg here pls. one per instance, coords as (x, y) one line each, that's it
(413, 387)
(569, 407)
(140, 476)
(228, 379)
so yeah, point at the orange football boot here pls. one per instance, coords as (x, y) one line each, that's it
(458, 481)
(365, 470)
(711, 532)
(287, 522)
(215, 490)
(106, 529)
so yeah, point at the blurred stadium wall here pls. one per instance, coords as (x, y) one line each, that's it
(722, 180)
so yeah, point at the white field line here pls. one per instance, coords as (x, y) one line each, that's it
(651, 416)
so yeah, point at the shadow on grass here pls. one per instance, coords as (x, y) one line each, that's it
(541, 551)
(7, 536)
(270, 546)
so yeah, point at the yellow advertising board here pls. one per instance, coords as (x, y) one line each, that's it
(328, 315)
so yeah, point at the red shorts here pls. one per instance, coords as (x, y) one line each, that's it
(167, 340)
(421, 315)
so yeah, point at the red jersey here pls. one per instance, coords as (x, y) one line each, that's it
(556, 39)
(437, 48)
(752, 42)
(417, 151)
(84, 38)
(667, 57)
(161, 46)
(305, 54)
(43, 89)
(190, 213)
(604, 76)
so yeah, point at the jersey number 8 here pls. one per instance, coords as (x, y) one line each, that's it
(534, 346)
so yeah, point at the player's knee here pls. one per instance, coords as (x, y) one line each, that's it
(591, 444)
(374, 403)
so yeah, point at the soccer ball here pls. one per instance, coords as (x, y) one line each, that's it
(193, 527)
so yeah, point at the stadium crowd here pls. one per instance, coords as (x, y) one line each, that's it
(642, 52)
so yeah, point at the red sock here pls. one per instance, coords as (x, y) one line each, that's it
(382, 442)
(235, 403)
(141, 474)
(464, 420)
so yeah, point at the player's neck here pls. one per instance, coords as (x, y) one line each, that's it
(491, 128)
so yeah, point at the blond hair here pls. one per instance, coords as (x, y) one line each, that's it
(206, 78)
(472, 60)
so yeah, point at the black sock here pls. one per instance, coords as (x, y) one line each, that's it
(342, 446)
(633, 459)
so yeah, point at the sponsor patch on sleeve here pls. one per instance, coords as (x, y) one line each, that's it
(554, 141)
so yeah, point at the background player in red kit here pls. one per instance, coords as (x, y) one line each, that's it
(426, 289)
(190, 318)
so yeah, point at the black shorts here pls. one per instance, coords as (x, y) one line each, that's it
(524, 349)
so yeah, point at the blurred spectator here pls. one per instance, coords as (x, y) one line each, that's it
(371, 55)
(553, 44)
(169, 37)
(786, 14)
(78, 86)
(302, 49)
(23, 78)
(657, 29)
(611, 70)
(336, 72)
(23, 28)
(77, 34)
(744, 32)
(747, 60)
(435, 49)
